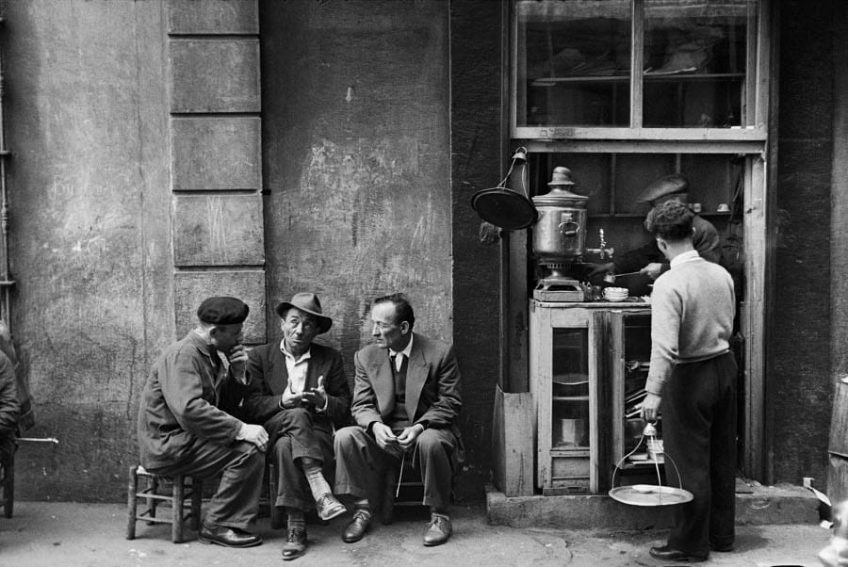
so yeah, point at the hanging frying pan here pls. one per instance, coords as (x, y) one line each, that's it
(503, 207)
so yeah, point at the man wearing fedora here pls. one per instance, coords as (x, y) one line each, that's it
(406, 404)
(647, 259)
(186, 426)
(298, 390)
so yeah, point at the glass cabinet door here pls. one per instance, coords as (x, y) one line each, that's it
(570, 383)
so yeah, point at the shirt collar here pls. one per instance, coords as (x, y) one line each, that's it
(305, 356)
(405, 351)
(684, 257)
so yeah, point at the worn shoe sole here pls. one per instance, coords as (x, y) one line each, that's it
(216, 541)
(330, 514)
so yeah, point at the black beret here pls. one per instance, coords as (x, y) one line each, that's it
(222, 311)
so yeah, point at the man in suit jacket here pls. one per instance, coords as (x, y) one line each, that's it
(298, 390)
(406, 404)
(186, 426)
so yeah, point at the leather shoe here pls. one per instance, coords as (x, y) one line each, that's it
(229, 537)
(357, 527)
(295, 545)
(726, 548)
(438, 531)
(667, 553)
(328, 507)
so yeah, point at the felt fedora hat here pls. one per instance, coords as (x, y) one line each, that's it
(308, 303)
(668, 185)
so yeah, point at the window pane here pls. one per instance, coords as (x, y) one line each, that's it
(695, 62)
(573, 63)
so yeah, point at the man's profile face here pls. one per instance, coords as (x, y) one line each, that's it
(225, 337)
(386, 331)
(299, 328)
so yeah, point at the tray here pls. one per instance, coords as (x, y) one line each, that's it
(650, 495)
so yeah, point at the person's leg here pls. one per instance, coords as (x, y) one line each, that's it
(236, 501)
(687, 411)
(433, 457)
(359, 463)
(723, 461)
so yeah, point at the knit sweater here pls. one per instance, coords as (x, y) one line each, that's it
(692, 309)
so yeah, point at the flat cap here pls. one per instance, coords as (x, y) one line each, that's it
(668, 185)
(222, 311)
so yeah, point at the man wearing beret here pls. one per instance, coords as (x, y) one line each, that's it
(647, 259)
(406, 403)
(185, 424)
(298, 390)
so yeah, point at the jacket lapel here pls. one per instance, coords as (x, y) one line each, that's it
(278, 374)
(383, 384)
(416, 375)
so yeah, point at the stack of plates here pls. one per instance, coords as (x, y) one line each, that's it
(615, 293)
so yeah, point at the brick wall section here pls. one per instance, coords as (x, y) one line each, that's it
(216, 163)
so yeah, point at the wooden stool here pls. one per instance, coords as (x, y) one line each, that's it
(169, 492)
(7, 481)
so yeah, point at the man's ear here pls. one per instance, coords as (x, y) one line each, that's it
(404, 327)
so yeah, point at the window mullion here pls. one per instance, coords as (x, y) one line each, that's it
(637, 60)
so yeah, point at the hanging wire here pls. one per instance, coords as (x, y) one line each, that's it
(520, 154)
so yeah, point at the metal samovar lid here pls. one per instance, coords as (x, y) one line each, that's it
(560, 194)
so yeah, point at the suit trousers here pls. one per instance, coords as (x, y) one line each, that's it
(241, 466)
(699, 436)
(295, 436)
(361, 464)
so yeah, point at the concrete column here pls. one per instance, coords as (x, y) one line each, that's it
(216, 157)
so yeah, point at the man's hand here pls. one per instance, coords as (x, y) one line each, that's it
(290, 399)
(255, 434)
(652, 270)
(407, 437)
(238, 363)
(598, 269)
(316, 397)
(386, 440)
(650, 407)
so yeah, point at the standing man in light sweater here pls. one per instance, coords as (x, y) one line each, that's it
(693, 377)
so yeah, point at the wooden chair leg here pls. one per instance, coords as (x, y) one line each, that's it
(196, 498)
(178, 509)
(132, 502)
(153, 488)
(9, 484)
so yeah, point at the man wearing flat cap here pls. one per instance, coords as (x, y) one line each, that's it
(298, 390)
(647, 259)
(186, 426)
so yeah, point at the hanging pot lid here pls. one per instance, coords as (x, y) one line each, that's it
(504, 208)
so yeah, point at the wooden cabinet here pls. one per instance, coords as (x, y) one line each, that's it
(581, 373)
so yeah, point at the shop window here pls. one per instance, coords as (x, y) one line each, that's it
(634, 64)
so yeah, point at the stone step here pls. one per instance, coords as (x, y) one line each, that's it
(756, 505)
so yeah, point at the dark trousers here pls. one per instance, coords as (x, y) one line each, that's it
(295, 436)
(699, 436)
(241, 466)
(361, 464)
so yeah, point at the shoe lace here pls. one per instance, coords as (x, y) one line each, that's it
(438, 520)
(362, 515)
